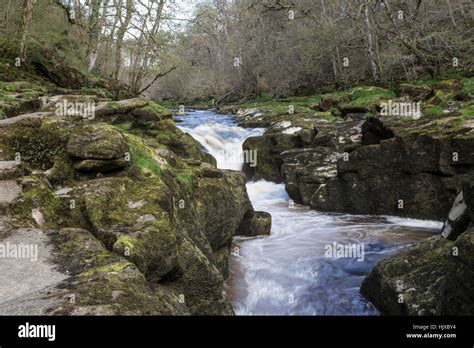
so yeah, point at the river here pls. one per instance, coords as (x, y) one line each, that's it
(290, 272)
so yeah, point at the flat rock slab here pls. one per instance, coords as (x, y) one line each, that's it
(31, 270)
(9, 191)
(39, 302)
(12, 120)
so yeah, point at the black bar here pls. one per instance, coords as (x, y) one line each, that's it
(241, 330)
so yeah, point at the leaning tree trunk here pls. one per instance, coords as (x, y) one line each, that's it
(26, 17)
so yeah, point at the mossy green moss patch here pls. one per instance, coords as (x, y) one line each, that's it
(185, 178)
(36, 142)
(468, 111)
(57, 212)
(143, 157)
(366, 96)
(157, 109)
(433, 111)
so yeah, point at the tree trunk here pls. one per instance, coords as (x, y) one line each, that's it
(120, 36)
(26, 17)
(94, 31)
(370, 45)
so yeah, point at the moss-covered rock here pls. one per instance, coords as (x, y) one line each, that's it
(457, 297)
(103, 282)
(37, 196)
(411, 168)
(19, 97)
(97, 142)
(433, 278)
(256, 224)
(98, 148)
(36, 142)
(201, 283)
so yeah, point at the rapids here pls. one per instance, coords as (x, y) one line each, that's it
(290, 272)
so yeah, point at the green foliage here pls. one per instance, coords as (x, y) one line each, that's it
(19, 87)
(364, 96)
(268, 105)
(7, 99)
(468, 85)
(125, 126)
(327, 116)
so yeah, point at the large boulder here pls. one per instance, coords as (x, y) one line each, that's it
(457, 297)
(305, 170)
(259, 224)
(268, 149)
(402, 195)
(97, 149)
(97, 142)
(298, 139)
(433, 278)
(99, 282)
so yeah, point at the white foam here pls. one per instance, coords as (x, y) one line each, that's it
(400, 221)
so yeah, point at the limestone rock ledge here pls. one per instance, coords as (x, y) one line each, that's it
(140, 220)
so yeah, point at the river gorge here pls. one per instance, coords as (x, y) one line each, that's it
(290, 272)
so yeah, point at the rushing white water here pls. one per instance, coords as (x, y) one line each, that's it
(289, 272)
(219, 136)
